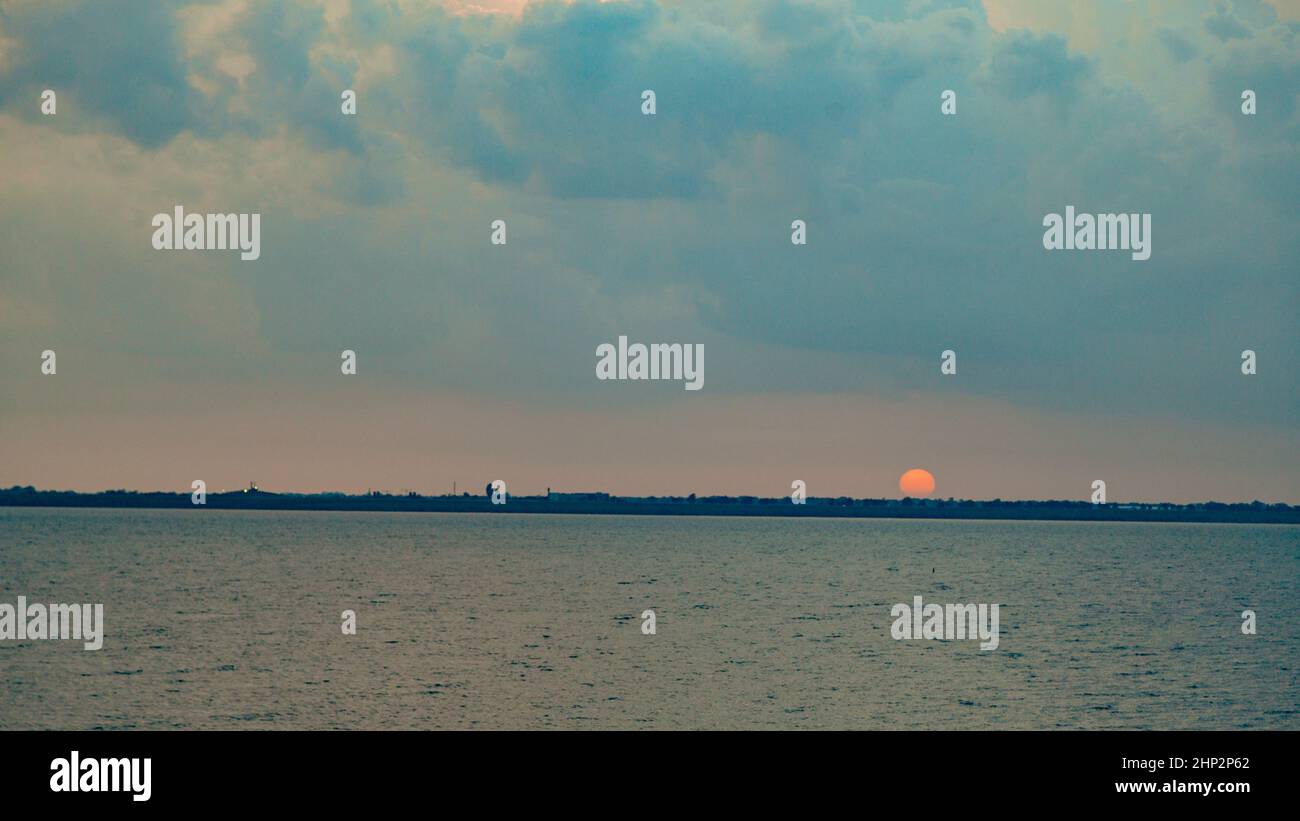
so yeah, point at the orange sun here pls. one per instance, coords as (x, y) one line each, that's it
(916, 482)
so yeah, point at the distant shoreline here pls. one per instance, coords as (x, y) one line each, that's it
(840, 508)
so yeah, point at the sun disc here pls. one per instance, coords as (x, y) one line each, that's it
(916, 482)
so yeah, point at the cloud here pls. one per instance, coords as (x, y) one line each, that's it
(120, 62)
(1025, 64)
(1226, 27)
(1179, 48)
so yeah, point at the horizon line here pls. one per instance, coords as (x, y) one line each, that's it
(614, 497)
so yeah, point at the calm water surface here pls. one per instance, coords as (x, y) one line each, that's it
(231, 619)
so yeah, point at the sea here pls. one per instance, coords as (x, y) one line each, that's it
(235, 620)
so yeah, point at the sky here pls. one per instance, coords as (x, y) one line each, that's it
(477, 361)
